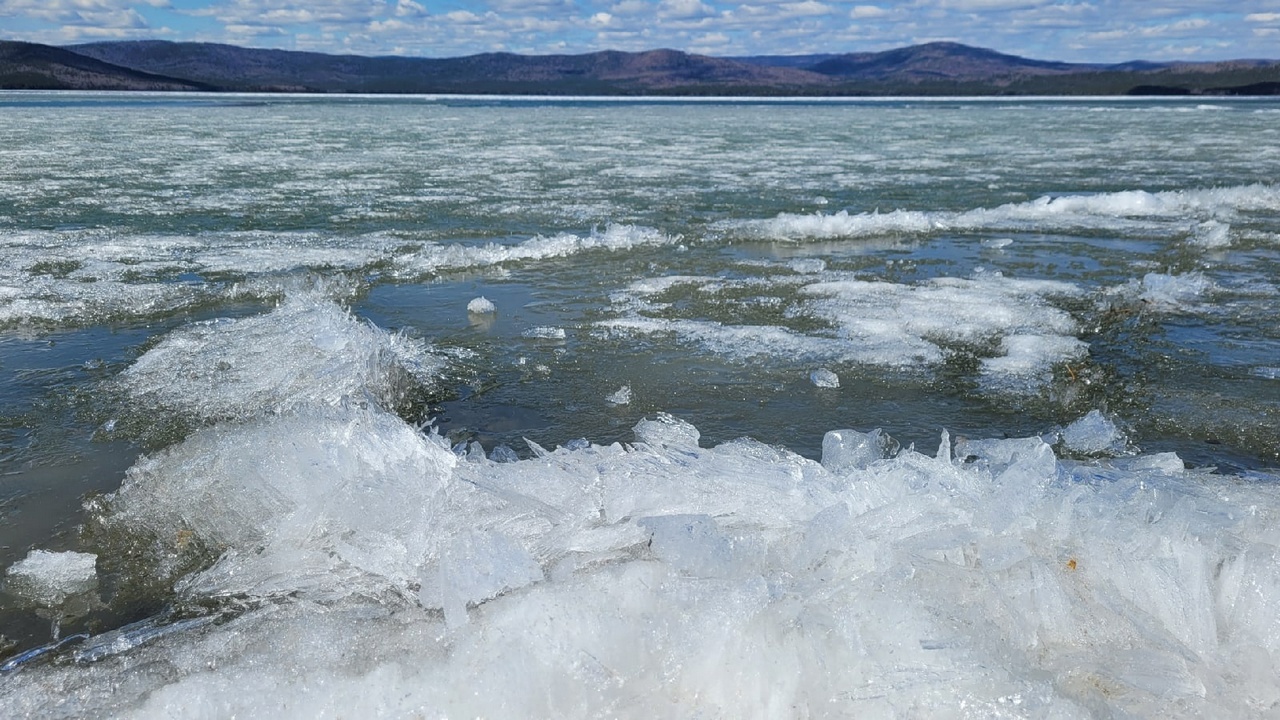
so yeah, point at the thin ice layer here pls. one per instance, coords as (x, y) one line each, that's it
(307, 351)
(671, 580)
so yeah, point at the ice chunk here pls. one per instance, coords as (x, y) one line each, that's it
(481, 306)
(1174, 290)
(48, 579)
(824, 378)
(1212, 234)
(503, 454)
(621, 397)
(667, 430)
(1093, 434)
(845, 450)
(881, 323)
(1167, 462)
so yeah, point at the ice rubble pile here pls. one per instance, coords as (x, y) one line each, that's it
(306, 351)
(664, 579)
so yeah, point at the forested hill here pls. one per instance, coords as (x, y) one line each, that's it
(930, 69)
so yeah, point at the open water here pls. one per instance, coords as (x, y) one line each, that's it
(445, 406)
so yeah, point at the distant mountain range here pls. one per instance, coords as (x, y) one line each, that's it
(930, 69)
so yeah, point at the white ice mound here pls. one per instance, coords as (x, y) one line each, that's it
(306, 351)
(48, 579)
(1027, 359)
(1212, 235)
(670, 580)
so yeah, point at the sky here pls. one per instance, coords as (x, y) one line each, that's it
(1069, 30)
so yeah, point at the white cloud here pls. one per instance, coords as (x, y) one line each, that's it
(990, 5)
(685, 9)
(464, 17)
(1266, 17)
(255, 31)
(409, 8)
(631, 7)
(275, 13)
(860, 12)
(806, 8)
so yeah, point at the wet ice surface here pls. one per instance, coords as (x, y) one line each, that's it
(562, 409)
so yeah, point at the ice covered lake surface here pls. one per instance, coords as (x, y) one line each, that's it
(468, 407)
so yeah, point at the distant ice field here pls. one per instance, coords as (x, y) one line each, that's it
(461, 406)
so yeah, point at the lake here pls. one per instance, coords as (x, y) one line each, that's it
(521, 407)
